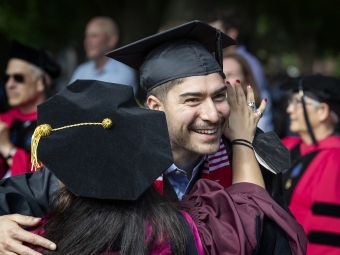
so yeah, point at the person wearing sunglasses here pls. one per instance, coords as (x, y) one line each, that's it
(28, 78)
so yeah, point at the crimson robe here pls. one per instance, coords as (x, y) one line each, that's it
(315, 199)
(21, 127)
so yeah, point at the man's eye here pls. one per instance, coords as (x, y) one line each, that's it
(221, 96)
(192, 100)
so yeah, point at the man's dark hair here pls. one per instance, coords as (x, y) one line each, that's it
(162, 90)
(91, 226)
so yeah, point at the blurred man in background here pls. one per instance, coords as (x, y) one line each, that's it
(101, 36)
(28, 79)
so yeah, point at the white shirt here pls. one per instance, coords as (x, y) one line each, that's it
(113, 71)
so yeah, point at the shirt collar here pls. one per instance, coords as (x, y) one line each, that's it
(108, 67)
(173, 167)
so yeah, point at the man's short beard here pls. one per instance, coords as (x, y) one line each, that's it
(212, 149)
(183, 141)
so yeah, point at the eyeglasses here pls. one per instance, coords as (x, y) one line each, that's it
(20, 78)
(297, 102)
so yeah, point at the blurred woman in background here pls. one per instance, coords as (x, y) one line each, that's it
(235, 67)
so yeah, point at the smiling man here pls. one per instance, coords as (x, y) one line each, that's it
(183, 79)
(27, 77)
(197, 113)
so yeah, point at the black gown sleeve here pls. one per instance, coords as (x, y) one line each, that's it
(27, 194)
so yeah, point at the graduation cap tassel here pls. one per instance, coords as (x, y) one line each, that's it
(307, 121)
(218, 49)
(302, 95)
(45, 130)
(40, 131)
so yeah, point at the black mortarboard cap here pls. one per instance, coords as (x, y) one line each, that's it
(36, 57)
(119, 162)
(179, 52)
(319, 87)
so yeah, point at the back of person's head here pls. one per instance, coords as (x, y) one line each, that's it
(230, 21)
(81, 225)
(107, 151)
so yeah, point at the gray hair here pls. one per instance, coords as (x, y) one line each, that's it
(37, 71)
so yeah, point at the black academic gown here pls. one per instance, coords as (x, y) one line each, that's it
(28, 194)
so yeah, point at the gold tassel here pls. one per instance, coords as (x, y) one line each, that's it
(46, 130)
(41, 130)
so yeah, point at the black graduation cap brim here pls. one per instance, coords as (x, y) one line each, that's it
(36, 57)
(271, 152)
(134, 54)
(179, 52)
(117, 163)
(325, 88)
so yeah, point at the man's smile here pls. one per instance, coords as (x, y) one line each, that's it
(206, 131)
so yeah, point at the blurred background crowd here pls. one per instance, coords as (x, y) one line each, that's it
(288, 38)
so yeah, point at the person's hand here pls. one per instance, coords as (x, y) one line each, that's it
(12, 235)
(242, 120)
(5, 143)
(242, 125)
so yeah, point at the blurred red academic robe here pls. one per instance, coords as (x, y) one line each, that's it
(313, 192)
(21, 128)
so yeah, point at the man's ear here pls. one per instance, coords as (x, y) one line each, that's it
(154, 103)
(323, 112)
(40, 84)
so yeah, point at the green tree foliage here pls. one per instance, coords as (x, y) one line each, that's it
(284, 29)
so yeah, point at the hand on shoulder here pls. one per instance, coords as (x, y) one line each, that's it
(12, 235)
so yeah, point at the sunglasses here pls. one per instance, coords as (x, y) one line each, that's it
(20, 78)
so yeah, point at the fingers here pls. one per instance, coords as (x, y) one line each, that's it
(250, 94)
(12, 235)
(12, 247)
(241, 98)
(28, 237)
(235, 94)
(23, 220)
(231, 95)
(262, 107)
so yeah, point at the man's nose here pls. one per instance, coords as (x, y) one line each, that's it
(209, 112)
